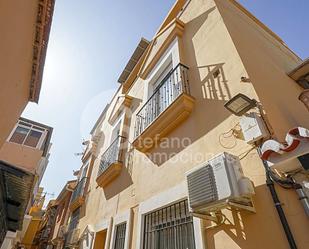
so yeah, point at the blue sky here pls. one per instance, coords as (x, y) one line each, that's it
(90, 43)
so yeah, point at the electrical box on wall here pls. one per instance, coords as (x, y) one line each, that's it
(253, 127)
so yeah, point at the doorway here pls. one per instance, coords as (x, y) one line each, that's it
(100, 239)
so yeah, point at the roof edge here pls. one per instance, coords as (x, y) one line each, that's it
(40, 47)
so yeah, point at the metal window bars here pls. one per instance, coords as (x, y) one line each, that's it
(112, 154)
(173, 85)
(79, 189)
(120, 236)
(170, 228)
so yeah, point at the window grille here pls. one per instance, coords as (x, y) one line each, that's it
(74, 219)
(120, 236)
(169, 228)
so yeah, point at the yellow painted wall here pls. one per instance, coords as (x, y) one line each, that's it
(216, 36)
(21, 156)
(17, 25)
(30, 233)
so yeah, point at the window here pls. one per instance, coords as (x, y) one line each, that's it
(169, 228)
(19, 135)
(74, 219)
(28, 134)
(33, 138)
(116, 131)
(84, 171)
(120, 236)
(162, 75)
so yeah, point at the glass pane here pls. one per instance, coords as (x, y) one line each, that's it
(19, 135)
(33, 138)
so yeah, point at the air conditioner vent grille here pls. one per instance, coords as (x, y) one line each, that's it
(202, 186)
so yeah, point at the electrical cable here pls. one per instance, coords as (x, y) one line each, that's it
(246, 153)
(228, 134)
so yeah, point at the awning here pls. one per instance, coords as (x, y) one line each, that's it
(16, 186)
(301, 74)
(137, 54)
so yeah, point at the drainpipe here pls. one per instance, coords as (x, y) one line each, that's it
(278, 205)
(303, 198)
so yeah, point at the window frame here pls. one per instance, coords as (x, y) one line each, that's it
(163, 218)
(30, 127)
(161, 200)
(125, 217)
(117, 235)
(170, 57)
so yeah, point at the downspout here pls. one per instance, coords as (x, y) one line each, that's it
(278, 205)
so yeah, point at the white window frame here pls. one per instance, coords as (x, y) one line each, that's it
(125, 217)
(171, 55)
(31, 127)
(86, 164)
(163, 199)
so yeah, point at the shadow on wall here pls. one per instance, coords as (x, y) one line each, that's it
(214, 85)
(119, 184)
(101, 139)
(124, 180)
(249, 230)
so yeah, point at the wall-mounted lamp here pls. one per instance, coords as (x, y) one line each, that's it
(240, 104)
(304, 97)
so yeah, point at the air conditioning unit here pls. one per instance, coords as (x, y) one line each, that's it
(73, 237)
(218, 183)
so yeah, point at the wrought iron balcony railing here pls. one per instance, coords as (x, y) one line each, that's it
(79, 190)
(172, 86)
(113, 154)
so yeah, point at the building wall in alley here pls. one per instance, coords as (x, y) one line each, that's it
(220, 43)
(23, 49)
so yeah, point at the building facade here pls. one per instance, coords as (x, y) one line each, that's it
(26, 149)
(43, 236)
(63, 212)
(25, 28)
(172, 113)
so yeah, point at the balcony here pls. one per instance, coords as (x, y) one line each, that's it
(169, 105)
(78, 197)
(111, 162)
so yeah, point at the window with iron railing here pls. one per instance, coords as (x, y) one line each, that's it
(120, 236)
(112, 155)
(170, 228)
(79, 189)
(171, 87)
(28, 134)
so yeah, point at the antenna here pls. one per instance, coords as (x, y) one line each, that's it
(49, 194)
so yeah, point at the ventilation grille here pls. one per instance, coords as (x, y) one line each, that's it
(202, 187)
